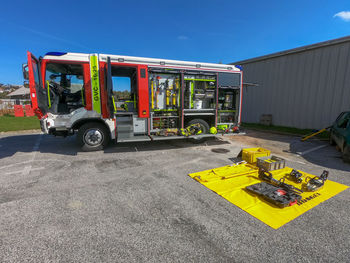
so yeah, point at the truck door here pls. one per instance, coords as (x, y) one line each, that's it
(143, 93)
(109, 88)
(38, 93)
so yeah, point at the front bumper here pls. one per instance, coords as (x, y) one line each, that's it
(43, 126)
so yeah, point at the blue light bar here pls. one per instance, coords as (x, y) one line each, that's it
(55, 53)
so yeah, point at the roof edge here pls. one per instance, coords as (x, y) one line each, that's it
(295, 50)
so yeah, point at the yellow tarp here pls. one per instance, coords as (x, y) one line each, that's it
(230, 182)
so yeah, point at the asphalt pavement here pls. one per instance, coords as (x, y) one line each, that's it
(134, 202)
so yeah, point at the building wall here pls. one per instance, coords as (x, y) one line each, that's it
(306, 89)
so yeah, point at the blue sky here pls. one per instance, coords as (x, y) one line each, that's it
(206, 31)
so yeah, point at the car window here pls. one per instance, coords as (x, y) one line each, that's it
(348, 122)
(341, 115)
(343, 121)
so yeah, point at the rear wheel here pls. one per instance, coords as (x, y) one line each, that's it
(346, 154)
(204, 128)
(92, 136)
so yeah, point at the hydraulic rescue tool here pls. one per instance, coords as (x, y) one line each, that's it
(275, 191)
(313, 184)
(296, 176)
(267, 176)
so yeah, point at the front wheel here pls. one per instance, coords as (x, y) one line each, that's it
(92, 136)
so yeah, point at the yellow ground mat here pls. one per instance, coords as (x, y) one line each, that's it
(230, 182)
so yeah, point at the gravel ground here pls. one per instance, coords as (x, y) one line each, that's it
(135, 203)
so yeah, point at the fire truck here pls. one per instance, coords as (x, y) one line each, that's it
(76, 93)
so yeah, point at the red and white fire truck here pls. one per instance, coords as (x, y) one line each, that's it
(165, 99)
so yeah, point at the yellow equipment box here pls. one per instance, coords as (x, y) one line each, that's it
(250, 154)
(230, 182)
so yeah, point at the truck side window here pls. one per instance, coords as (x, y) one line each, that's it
(124, 88)
(65, 85)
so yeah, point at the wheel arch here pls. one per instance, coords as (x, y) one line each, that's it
(77, 124)
(207, 118)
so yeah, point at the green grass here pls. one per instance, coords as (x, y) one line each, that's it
(283, 129)
(10, 123)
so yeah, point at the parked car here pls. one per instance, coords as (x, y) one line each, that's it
(340, 134)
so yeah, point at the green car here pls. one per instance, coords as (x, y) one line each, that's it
(340, 134)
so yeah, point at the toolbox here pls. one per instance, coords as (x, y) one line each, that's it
(270, 163)
(274, 194)
(250, 155)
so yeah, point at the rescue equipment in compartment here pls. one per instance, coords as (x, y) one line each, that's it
(274, 194)
(167, 94)
(168, 132)
(152, 93)
(157, 91)
(223, 128)
(193, 129)
(213, 130)
(313, 184)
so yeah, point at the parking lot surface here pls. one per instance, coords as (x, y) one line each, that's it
(134, 202)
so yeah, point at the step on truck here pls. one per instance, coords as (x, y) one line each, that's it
(103, 98)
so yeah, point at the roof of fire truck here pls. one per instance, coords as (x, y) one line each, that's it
(152, 62)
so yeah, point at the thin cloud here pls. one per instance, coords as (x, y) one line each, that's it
(50, 36)
(344, 15)
(182, 37)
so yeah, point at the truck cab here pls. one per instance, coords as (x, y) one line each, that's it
(104, 97)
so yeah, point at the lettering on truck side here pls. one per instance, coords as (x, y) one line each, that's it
(95, 85)
(95, 78)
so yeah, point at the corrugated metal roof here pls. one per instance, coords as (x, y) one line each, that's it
(295, 50)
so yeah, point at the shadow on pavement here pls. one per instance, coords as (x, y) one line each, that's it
(28, 143)
(326, 155)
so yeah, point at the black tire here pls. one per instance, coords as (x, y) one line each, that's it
(346, 154)
(204, 126)
(331, 141)
(97, 139)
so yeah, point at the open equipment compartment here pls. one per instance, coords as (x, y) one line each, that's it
(165, 101)
(228, 100)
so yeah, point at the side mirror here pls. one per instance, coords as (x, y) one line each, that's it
(25, 71)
